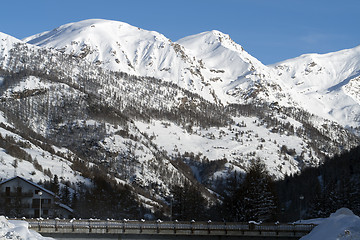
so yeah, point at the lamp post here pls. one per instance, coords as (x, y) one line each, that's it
(301, 198)
(40, 194)
(171, 207)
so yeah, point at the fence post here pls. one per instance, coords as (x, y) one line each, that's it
(89, 226)
(56, 226)
(294, 229)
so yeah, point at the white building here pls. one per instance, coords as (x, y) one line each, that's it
(22, 198)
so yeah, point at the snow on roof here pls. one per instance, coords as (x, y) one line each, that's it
(30, 182)
(66, 207)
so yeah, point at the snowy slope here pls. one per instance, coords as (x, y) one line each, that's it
(246, 139)
(51, 164)
(325, 84)
(234, 73)
(119, 46)
(7, 42)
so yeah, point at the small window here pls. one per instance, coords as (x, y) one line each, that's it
(37, 191)
(7, 191)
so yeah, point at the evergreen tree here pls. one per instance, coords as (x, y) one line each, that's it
(65, 195)
(55, 187)
(188, 203)
(259, 202)
(74, 200)
(233, 203)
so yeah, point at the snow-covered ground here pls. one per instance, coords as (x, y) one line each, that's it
(18, 230)
(341, 225)
(241, 142)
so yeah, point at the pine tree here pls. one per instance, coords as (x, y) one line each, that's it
(259, 198)
(65, 195)
(233, 203)
(187, 203)
(54, 187)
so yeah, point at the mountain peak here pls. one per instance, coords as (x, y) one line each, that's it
(7, 39)
(214, 39)
(89, 30)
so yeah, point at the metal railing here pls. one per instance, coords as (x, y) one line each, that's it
(159, 227)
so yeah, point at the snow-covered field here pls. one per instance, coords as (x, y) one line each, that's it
(18, 230)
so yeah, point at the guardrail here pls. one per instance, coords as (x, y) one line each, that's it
(168, 228)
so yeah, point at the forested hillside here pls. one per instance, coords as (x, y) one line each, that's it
(326, 188)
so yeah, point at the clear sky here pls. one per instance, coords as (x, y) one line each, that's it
(270, 30)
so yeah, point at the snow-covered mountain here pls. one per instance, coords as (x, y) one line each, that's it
(235, 75)
(325, 84)
(119, 46)
(156, 113)
(212, 65)
(209, 64)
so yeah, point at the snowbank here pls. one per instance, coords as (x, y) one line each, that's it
(341, 225)
(18, 230)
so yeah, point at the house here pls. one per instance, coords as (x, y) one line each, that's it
(20, 197)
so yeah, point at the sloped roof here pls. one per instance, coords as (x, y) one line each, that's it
(66, 207)
(30, 182)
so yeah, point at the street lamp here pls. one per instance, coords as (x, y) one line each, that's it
(40, 194)
(301, 198)
(171, 208)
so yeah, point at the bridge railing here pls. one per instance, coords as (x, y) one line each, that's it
(175, 227)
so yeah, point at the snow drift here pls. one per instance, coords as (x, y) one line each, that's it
(343, 224)
(18, 230)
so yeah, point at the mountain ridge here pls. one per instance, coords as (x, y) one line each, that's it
(212, 65)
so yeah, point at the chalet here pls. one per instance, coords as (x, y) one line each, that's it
(20, 197)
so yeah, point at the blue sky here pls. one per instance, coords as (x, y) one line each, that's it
(270, 30)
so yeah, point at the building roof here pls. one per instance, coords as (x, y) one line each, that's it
(30, 182)
(66, 207)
